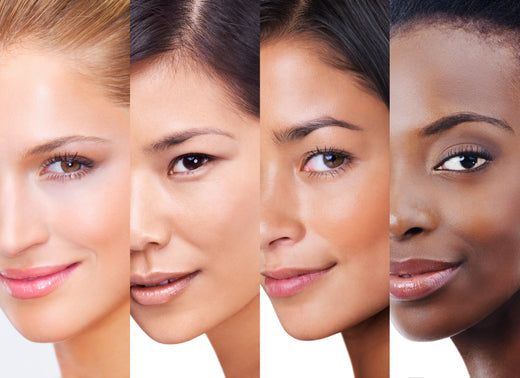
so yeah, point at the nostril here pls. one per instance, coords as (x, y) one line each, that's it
(413, 231)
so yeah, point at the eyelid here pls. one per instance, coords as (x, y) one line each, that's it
(174, 161)
(86, 165)
(465, 150)
(348, 158)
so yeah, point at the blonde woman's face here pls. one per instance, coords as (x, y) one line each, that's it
(325, 177)
(194, 206)
(63, 198)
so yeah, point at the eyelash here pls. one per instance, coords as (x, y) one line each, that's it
(466, 151)
(85, 166)
(331, 172)
(205, 158)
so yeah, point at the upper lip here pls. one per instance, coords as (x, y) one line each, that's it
(419, 266)
(285, 273)
(36, 272)
(154, 278)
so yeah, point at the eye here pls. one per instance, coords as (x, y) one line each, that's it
(64, 167)
(326, 161)
(188, 163)
(462, 163)
(467, 159)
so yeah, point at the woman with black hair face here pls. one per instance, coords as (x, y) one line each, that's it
(195, 162)
(455, 189)
(325, 172)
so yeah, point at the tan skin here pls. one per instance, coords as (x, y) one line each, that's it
(317, 213)
(56, 214)
(458, 188)
(196, 214)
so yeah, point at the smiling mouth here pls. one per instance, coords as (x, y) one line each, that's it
(159, 288)
(416, 279)
(35, 282)
(288, 282)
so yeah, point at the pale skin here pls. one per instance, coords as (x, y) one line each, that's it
(194, 173)
(54, 215)
(325, 175)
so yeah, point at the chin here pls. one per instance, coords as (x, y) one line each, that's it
(41, 329)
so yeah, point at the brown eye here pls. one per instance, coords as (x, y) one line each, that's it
(323, 162)
(70, 166)
(188, 163)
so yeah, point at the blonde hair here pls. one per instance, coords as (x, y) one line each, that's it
(95, 34)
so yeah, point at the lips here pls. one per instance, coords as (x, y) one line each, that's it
(416, 279)
(35, 282)
(159, 288)
(288, 282)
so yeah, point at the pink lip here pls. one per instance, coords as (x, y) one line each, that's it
(35, 282)
(416, 278)
(159, 288)
(287, 282)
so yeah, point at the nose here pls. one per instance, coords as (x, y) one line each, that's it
(149, 228)
(280, 222)
(412, 208)
(22, 226)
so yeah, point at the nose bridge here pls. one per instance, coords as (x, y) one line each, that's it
(148, 226)
(22, 224)
(280, 221)
(412, 204)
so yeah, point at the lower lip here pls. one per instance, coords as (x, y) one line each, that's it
(37, 287)
(420, 285)
(281, 288)
(155, 295)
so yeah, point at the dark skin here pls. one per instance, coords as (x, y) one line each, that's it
(455, 182)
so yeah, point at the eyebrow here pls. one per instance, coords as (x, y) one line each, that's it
(301, 130)
(182, 136)
(446, 123)
(59, 142)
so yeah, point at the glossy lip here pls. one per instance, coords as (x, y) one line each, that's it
(35, 282)
(416, 279)
(158, 288)
(290, 281)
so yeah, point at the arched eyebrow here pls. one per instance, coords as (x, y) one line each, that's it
(446, 123)
(182, 136)
(300, 131)
(54, 144)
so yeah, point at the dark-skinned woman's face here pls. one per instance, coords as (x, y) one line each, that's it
(455, 180)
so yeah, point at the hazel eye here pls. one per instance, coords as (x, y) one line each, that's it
(65, 167)
(324, 162)
(463, 163)
(187, 163)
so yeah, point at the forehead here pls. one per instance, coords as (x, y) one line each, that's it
(298, 86)
(439, 70)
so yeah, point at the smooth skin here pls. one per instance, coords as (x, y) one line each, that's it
(459, 213)
(316, 215)
(196, 217)
(50, 115)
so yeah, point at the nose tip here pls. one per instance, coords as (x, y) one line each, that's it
(410, 222)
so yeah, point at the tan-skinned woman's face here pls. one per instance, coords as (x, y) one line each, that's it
(455, 189)
(194, 227)
(324, 178)
(64, 197)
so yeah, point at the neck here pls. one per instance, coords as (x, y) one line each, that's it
(237, 342)
(102, 350)
(368, 346)
(491, 348)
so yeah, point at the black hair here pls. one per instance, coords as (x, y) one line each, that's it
(355, 32)
(221, 36)
(487, 17)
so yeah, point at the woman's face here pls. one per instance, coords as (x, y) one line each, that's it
(194, 207)
(63, 198)
(455, 190)
(324, 172)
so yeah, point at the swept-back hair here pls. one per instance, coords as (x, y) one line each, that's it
(220, 36)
